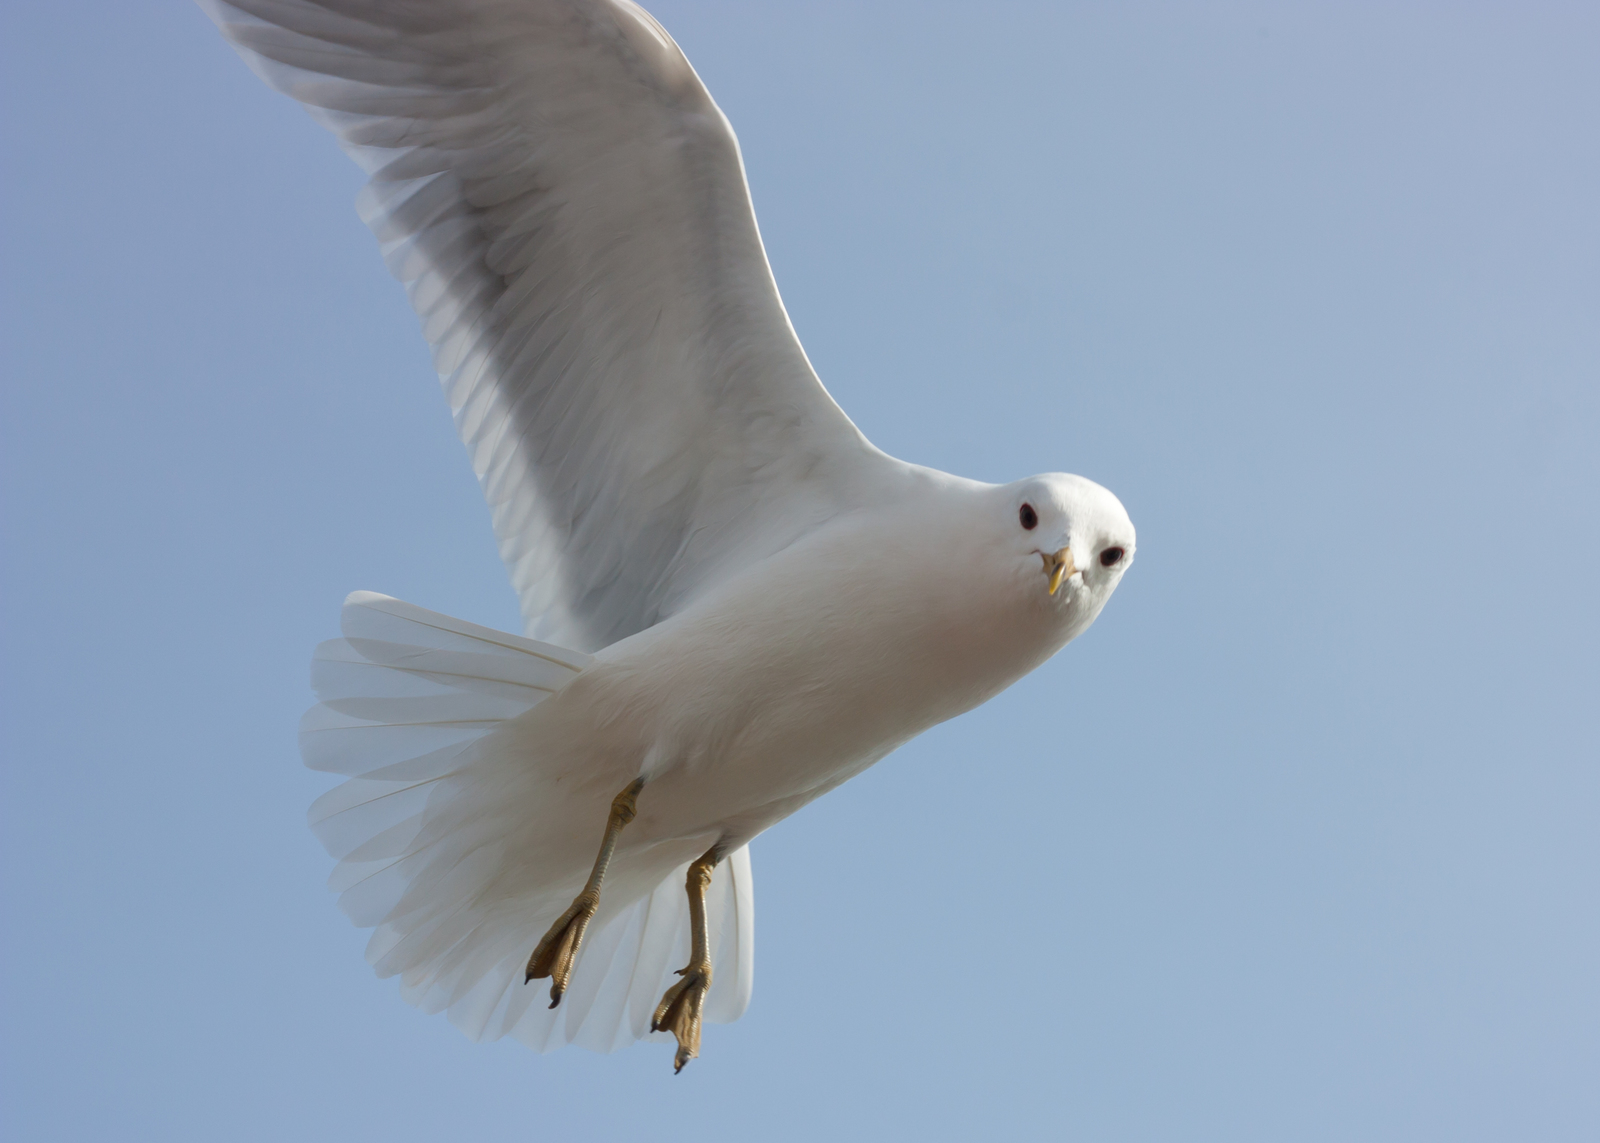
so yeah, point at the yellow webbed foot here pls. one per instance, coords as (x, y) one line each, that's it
(679, 1012)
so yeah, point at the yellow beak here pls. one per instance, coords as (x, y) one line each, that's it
(1060, 566)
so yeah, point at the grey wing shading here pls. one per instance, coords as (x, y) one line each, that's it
(568, 210)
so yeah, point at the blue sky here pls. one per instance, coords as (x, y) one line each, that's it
(1298, 842)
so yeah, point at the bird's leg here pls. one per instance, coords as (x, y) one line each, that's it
(558, 951)
(679, 1010)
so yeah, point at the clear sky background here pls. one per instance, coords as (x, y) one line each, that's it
(1300, 842)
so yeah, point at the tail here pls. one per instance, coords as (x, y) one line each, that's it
(432, 834)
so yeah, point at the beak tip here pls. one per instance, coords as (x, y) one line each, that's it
(1061, 568)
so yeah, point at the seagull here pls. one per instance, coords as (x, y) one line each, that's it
(733, 601)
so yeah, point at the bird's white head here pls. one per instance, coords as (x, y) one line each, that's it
(1075, 539)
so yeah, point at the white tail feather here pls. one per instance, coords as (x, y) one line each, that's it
(431, 827)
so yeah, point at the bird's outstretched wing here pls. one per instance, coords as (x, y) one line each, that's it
(568, 211)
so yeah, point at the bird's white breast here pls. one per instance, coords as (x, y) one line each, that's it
(811, 666)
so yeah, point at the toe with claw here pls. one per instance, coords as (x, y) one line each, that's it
(556, 953)
(679, 1012)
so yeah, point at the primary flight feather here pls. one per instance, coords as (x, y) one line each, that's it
(738, 601)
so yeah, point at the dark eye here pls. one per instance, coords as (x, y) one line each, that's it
(1111, 557)
(1028, 517)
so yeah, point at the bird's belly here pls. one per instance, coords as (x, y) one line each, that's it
(743, 713)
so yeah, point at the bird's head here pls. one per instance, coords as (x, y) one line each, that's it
(1074, 536)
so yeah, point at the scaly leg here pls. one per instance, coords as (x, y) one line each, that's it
(558, 951)
(679, 1010)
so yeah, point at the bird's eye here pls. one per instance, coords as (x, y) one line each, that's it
(1028, 517)
(1111, 557)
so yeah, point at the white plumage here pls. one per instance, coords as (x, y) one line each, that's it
(762, 604)
(567, 209)
(411, 705)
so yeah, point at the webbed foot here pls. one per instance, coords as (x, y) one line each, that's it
(679, 1012)
(557, 952)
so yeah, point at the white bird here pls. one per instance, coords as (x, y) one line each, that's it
(740, 602)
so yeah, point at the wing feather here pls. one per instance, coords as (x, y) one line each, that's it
(568, 210)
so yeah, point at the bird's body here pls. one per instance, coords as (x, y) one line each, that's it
(808, 667)
(747, 604)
